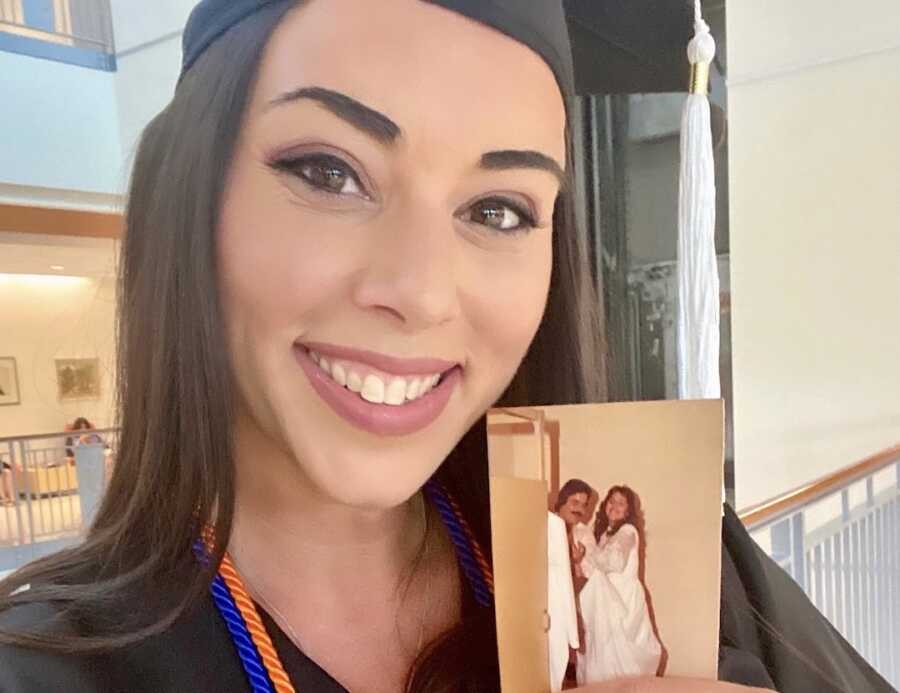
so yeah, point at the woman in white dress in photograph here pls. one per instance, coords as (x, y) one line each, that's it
(619, 637)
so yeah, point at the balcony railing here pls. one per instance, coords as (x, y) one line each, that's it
(50, 486)
(72, 31)
(839, 538)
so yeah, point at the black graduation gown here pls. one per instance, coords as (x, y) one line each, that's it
(795, 651)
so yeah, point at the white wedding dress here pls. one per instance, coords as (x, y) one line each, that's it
(618, 635)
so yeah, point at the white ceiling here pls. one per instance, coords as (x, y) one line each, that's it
(24, 253)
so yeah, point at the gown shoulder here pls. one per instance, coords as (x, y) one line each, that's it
(772, 635)
(193, 655)
(26, 670)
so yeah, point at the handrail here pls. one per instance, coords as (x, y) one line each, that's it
(790, 501)
(62, 434)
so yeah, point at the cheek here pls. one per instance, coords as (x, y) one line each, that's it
(273, 278)
(280, 266)
(507, 297)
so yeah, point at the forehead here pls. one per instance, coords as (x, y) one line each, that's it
(578, 497)
(435, 73)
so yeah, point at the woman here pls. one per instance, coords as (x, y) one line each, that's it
(620, 639)
(72, 442)
(348, 255)
(80, 424)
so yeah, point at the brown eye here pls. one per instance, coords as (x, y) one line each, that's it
(326, 173)
(501, 215)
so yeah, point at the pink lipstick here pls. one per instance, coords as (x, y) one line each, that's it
(384, 395)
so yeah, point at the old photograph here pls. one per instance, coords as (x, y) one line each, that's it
(632, 505)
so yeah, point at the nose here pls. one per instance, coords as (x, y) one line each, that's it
(411, 274)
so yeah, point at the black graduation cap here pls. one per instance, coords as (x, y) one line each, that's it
(619, 46)
(540, 24)
(630, 46)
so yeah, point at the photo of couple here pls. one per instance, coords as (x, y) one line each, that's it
(606, 523)
(601, 624)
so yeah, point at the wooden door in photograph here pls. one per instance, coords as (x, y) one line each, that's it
(519, 537)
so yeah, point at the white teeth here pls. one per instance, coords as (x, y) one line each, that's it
(373, 389)
(396, 392)
(354, 382)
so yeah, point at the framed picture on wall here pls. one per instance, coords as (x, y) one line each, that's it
(9, 381)
(78, 378)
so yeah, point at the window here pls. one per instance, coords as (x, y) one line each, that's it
(72, 31)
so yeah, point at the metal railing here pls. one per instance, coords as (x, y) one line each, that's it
(839, 538)
(49, 486)
(85, 24)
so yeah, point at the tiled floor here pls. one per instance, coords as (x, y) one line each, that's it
(48, 518)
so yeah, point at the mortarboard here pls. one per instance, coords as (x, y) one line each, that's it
(539, 24)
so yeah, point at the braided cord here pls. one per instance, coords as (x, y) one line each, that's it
(258, 657)
(474, 564)
(257, 653)
(255, 627)
(243, 642)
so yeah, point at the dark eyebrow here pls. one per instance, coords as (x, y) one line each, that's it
(516, 158)
(360, 116)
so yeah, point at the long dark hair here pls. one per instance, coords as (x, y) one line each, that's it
(634, 516)
(174, 471)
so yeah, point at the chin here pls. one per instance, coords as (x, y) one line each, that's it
(370, 477)
(366, 490)
(345, 464)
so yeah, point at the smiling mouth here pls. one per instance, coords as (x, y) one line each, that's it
(376, 387)
(381, 394)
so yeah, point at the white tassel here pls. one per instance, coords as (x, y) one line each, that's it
(698, 278)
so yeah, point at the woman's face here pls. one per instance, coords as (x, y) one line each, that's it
(386, 225)
(616, 508)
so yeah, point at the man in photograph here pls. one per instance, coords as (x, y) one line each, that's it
(572, 506)
(563, 632)
(563, 637)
